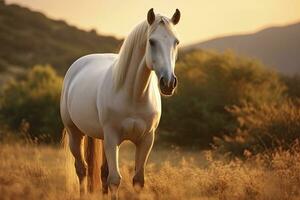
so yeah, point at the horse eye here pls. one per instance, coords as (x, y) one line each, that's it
(176, 42)
(151, 42)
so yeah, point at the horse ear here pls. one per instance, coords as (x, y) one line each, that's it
(176, 17)
(150, 16)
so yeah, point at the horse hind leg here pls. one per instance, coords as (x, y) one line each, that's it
(76, 143)
(104, 173)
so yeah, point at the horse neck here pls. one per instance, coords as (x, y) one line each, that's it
(131, 73)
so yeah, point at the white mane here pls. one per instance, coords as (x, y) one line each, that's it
(136, 40)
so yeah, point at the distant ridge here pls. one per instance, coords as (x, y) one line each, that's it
(277, 47)
(28, 38)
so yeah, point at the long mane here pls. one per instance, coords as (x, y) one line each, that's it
(134, 40)
(137, 39)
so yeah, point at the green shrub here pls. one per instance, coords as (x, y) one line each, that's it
(33, 104)
(261, 128)
(208, 82)
(293, 85)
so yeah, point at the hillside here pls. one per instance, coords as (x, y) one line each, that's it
(277, 47)
(28, 38)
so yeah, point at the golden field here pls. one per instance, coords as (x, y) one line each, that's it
(41, 172)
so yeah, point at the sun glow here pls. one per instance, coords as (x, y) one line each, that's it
(201, 19)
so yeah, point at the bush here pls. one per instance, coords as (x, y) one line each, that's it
(293, 85)
(208, 82)
(262, 128)
(32, 104)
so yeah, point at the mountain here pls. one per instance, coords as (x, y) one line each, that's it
(28, 38)
(277, 47)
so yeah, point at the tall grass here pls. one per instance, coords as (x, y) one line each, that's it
(38, 172)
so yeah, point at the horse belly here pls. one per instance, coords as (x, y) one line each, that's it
(82, 97)
(86, 119)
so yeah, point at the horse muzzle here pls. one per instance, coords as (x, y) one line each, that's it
(167, 87)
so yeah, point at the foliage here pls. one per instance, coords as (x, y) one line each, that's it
(32, 104)
(262, 128)
(293, 85)
(208, 82)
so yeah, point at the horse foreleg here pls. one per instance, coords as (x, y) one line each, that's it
(111, 147)
(143, 148)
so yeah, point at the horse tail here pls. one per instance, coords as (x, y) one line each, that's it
(93, 157)
(70, 179)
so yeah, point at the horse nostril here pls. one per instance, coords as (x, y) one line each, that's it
(174, 82)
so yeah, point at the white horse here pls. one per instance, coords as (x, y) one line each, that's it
(117, 97)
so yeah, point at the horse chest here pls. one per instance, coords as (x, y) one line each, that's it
(133, 122)
(133, 128)
(136, 125)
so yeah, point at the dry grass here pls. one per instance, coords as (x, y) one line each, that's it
(38, 172)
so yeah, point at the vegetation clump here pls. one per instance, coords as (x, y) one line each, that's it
(30, 104)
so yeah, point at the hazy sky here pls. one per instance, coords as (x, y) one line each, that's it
(201, 19)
